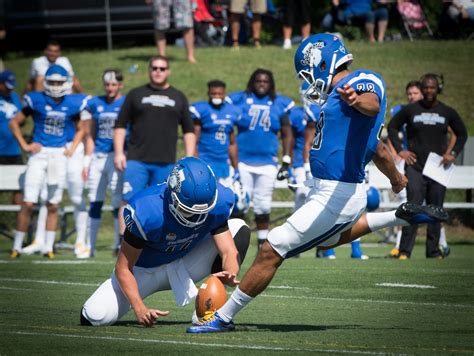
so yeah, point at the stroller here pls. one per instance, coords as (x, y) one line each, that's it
(211, 22)
(413, 18)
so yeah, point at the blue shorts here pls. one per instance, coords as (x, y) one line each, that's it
(140, 175)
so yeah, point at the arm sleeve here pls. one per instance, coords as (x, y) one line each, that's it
(133, 240)
(368, 83)
(126, 112)
(195, 115)
(132, 223)
(28, 105)
(220, 229)
(394, 126)
(459, 130)
(187, 124)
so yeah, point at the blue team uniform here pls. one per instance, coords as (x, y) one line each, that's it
(104, 115)
(53, 120)
(298, 124)
(345, 139)
(147, 216)
(9, 106)
(258, 128)
(217, 123)
(394, 111)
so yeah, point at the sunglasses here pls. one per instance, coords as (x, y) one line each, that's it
(161, 69)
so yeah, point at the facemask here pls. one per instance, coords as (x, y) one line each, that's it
(216, 101)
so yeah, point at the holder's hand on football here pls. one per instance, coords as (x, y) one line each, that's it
(148, 317)
(227, 278)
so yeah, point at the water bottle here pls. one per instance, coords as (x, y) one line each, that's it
(133, 68)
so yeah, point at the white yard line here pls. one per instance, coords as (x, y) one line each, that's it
(402, 285)
(21, 289)
(190, 343)
(264, 295)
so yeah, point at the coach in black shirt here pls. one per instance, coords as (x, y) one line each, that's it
(152, 113)
(427, 123)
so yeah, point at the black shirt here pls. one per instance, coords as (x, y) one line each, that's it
(154, 115)
(427, 130)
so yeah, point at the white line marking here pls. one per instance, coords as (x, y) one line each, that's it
(402, 285)
(70, 262)
(22, 289)
(288, 287)
(189, 343)
(49, 282)
(357, 300)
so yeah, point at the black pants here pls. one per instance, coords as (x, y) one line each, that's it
(422, 188)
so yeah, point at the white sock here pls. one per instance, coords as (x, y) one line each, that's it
(41, 225)
(399, 238)
(236, 302)
(377, 221)
(94, 230)
(442, 237)
(262, 235)
(50, 237)
(18, 240)
(118, 239)
(80, 217)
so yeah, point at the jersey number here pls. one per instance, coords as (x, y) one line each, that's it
(318, 135)
(220, 135)
(54, 125)
(106, 127)
(260, 117)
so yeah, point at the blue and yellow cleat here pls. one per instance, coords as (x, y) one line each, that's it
(419, 214)
(211, 322)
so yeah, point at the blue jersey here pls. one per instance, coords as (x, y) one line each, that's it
(104, 115)
(345, 139)
(298, 124)
(257, 139)
(9, 106)
(147, 216)
(394, 111)
(53, 120)
(217, 123)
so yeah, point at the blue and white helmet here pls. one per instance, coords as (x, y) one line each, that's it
(192, 189)
(316, 61)
(373, 199)
(57, 81)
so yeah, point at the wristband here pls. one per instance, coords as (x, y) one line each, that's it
(286, 159)
(307, 167)
(87, 161)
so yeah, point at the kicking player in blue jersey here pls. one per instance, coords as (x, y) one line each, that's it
(347, 138)
(52, 111)
(99, 169)
(264, 116)
(177, 233)
(214, 122)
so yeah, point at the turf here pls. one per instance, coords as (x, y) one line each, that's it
(312, 305)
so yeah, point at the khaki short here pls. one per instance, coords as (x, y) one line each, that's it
(257, 6)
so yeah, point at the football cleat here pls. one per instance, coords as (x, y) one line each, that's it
(211, 322)
(403, 257)
(84, 253)
(445, 250)
(15, 254)
(418, 214)
(49, 254)
(35, 247)
(393, 253)
(357, 251)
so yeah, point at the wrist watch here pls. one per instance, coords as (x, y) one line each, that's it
(453, 153)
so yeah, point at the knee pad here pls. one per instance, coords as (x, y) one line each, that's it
(95, 210)
(83, 320)
(95, 316)
(262, 218)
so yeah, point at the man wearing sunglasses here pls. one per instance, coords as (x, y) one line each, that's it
(152, 113)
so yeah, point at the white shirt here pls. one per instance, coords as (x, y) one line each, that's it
(40, 65)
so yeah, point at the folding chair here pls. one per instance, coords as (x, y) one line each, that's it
(413, 17)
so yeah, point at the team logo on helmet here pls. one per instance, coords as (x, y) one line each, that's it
(312, 54)
(175, 179)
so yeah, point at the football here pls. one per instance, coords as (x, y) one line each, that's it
(211, 296)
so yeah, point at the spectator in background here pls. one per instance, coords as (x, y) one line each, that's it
(152, 113)
(264, 115)
(39, 66)
(347, 12)
(237, 8)
(427, 123)
(291, 8)
(214, 122)
(10, 104)
(461, 10)
(182, 19)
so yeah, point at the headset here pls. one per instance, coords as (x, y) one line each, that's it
(438, 77)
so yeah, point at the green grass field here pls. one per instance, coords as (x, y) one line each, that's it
(312, 306)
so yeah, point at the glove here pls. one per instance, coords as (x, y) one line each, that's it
(236, 176)
(283, 172)
(307, 169)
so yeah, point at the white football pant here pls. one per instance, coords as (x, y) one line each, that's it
(259, 182)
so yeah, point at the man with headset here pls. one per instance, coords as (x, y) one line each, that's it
(427, 123)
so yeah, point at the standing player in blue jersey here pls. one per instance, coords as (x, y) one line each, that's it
(351, 117)
(264, 115)
(214, 122)
(177, 233)
(52, 111)
(99, 169)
